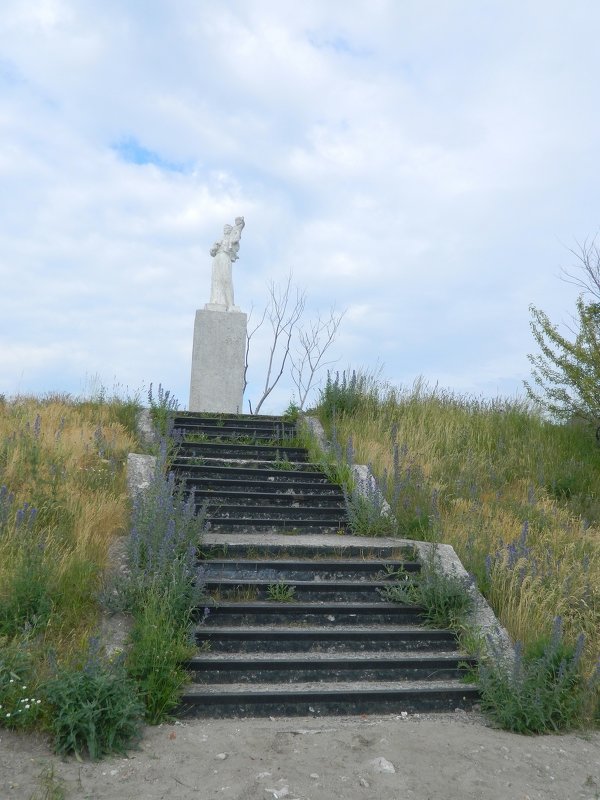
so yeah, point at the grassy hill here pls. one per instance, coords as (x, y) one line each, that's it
(517, 496)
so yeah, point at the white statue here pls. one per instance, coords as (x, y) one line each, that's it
(224, 254)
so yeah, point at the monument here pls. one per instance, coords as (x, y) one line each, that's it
(219, 351)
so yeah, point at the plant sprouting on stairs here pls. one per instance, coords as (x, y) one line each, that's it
(445, 598)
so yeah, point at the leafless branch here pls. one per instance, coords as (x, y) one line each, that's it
(251, 332)
(313, 343)
(284, 310)
(587, 271)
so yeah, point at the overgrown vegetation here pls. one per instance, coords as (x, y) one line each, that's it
(517, 496)
(566, 370)
(63, 503)
(445, 599)
(543, 691)
(161, 588)
(162, 408)
(94, 708)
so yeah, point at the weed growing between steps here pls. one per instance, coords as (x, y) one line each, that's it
(445, 599)
(281, 592)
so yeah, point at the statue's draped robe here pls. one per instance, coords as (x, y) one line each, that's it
(221, 289)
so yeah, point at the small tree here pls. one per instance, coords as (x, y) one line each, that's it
(566, 374)
(284, 312)
(313, 342)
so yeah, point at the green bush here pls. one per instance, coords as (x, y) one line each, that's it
(445, 599)
(161, 589)
(345, 394)
(162, 408)
(159, 646)
(367, 515)
(94, 710)
(543, 691)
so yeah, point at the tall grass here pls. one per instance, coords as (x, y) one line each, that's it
(63, 500)
(517, 496)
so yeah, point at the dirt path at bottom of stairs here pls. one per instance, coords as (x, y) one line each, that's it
(400, 757)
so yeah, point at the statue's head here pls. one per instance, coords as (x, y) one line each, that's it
(239, 220)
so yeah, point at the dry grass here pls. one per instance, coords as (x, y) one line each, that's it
(472, 473)
(66, 459)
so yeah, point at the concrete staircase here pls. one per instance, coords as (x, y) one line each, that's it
(296, 623)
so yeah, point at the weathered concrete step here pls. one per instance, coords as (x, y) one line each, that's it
(274, 526)
(339, 639)
(348, 549)
(256, 471)
(333, 591)
(278, 513)
(270, 612)
(261, 433)
(245, 421)
(237, 700)
(320, 490)
(296, 570)
(284, 497)
(243, 452)
(282, 667)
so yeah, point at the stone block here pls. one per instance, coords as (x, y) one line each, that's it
(218, 359)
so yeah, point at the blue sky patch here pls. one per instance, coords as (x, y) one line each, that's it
(131, 151)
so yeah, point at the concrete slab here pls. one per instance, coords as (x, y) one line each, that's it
(218, 360)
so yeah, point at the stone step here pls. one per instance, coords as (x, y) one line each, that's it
(241, 452)
(328, 499)
(251, 471)
(306, 639)
(295, 570)
(246, 422)
(296, 527)
(239, 700)
(216, 483)
(259, 433)
(278, 514)
(284, 667)
(328, 614)
(334, 591)
(350, 549)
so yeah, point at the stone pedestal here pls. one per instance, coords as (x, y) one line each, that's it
(218, 359)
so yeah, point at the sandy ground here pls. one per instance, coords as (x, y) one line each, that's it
(446, 757)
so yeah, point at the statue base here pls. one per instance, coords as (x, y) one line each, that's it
(218, 361)
(219, 307)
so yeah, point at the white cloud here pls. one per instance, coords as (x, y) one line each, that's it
(421, 164)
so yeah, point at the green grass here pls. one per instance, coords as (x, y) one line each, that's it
(63, 502)
(517, 496)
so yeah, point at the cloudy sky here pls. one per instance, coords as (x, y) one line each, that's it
(425, 165)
